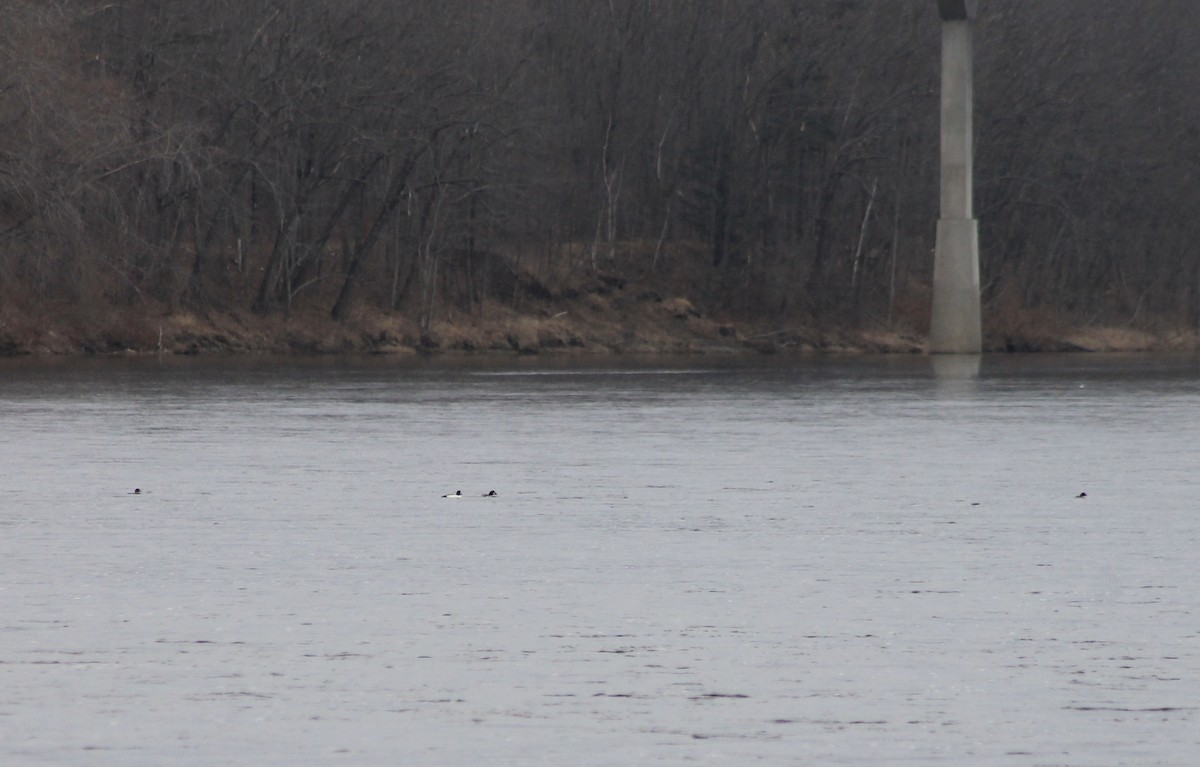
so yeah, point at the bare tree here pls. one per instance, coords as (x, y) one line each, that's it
(274, 153)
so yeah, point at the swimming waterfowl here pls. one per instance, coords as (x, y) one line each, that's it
(490, 494)
(455, 494)
(136, 491)
(1082, 495)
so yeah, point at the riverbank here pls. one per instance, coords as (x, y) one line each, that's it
(586, 325)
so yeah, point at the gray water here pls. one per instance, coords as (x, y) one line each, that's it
(779, 562)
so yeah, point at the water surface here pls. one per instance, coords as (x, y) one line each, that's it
(786, 562)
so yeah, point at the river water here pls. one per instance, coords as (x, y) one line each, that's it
(779, 562)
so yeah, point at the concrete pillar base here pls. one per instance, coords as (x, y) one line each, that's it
(956, 327)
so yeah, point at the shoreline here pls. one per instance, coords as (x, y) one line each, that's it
(672, 327)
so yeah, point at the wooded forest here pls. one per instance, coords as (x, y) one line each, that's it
(330, 155)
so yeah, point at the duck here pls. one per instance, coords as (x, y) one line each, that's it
(1082, 495)
(490, 494)
(455, 494)
(136, 491)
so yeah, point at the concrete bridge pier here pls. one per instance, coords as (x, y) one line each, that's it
(956, 326)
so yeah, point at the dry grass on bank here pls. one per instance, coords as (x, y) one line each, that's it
(625, 307)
